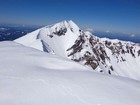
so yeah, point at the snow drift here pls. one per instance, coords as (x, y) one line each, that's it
(32, 77)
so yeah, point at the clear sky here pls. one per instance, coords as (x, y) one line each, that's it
(113, 15)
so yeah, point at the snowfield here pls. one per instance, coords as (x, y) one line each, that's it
(32, 77)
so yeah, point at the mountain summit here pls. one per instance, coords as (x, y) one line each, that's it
(67, 40)
(55, 38)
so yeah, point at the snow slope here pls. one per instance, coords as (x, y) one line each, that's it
(58, 37)
(67, 40)
(32, 77)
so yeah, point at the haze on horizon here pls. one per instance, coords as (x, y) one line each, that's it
(111, 15)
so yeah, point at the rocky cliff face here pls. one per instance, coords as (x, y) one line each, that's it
(97, 52)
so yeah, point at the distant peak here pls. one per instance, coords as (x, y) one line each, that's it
(68, 24)
(71, 21)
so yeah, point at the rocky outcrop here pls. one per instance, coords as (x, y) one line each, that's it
(92, 51)
(60, 32)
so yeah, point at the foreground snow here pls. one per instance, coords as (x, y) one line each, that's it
(32, 77)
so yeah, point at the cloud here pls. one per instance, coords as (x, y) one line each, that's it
(89, 29)
(132, 35)
(107, 31)
(3, 29)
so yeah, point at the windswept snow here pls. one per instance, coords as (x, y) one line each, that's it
(32, 77)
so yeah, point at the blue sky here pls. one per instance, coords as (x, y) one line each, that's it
(113, 15)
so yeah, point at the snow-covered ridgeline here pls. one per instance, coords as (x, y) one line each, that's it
(67, 40)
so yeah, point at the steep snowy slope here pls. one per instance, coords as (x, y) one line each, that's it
(56, 38)
(67, 40)
(32, 77)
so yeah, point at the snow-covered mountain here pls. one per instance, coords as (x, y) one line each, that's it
(32, 77)
(67, 40)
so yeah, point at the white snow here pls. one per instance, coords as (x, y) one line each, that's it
(60, 44)
(32, 77)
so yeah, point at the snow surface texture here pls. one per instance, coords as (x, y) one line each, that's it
(32, 77)
(67, 40)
